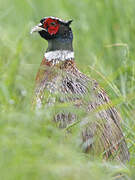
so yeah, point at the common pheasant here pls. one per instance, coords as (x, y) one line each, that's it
(101, 130)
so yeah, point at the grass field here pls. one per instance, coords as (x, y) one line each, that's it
(31, 146)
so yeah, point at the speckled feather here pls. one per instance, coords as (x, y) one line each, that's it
(102, 127)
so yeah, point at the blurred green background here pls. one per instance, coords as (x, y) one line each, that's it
(31, 147)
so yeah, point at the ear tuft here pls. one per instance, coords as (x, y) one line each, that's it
(69, 22)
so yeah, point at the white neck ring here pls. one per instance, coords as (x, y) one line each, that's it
(59, 55)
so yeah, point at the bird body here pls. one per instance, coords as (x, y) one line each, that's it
(58, 75)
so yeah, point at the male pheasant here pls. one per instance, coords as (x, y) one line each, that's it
(58, 74)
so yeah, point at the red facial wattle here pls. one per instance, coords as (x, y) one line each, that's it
(51, 25)
(53, 30)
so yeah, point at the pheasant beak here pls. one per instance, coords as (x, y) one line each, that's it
(37, 28)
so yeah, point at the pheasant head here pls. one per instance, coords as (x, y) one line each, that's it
(59, 35)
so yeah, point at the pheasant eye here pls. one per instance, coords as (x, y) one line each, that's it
(53, 23)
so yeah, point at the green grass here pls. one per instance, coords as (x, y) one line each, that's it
(31, 146)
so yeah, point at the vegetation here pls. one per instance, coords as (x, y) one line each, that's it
(31, 146)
